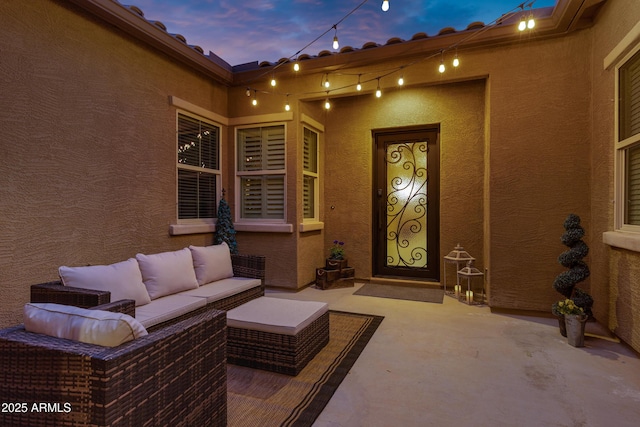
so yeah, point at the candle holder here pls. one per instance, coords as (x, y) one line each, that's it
(471, 272)
(457, 256)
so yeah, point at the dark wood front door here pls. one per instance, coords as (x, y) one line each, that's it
(406, 203)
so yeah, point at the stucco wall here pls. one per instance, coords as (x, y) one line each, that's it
(615, 272)
(88, 143)
(459, 110)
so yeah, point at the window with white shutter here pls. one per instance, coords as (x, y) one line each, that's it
(261, 171)
(628, 142)
(198, 168)
(309, 174)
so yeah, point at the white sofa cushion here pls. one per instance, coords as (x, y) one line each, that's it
(122, 279)
(223, 288)
(167, 308)
(211, 263)
(167, 273)
(276, 315)
(79, 324)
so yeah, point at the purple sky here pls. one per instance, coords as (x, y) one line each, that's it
(241, 31)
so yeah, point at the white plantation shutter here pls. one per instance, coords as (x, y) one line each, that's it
(261, 168)
(632, 214)
(310, 173)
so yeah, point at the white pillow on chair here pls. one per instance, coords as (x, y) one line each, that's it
(122, 279)
(211, 263)
(80, 324)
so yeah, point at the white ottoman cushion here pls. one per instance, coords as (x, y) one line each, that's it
(276, 315)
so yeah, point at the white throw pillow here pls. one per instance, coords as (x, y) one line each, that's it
(80, 324)
(167, 273)
(122, 279)
(211, 263)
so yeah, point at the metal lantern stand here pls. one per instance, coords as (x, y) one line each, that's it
(457, 256)
(470, 272)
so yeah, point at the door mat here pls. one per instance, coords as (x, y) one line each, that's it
(263, 398)
(410, 293)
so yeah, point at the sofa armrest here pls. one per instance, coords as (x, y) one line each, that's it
(251, 266)
(57, 293)
(174, 376)
(125, 306)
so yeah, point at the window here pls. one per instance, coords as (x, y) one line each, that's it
(310, 174)
(628, 143)
(261, 172)
(198, 168)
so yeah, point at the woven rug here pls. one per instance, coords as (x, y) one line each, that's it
(411, 293)
(262, 399)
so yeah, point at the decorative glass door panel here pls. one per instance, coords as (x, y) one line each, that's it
(406, 203)
(406, 212)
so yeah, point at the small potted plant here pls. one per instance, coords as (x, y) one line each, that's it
(574, 320)
(336, 260)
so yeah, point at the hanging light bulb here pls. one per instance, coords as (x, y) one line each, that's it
(336, 45)
(523, 24)
(531, 22)
(378, 91)
(287, 107)
(325, 81)
(248, 92)
(441, 68)
(401, 80)
(254, 101)
(296, 66)
(358, 86)
(456, 61)
(273, 81)
(327, 104)
(385, 5)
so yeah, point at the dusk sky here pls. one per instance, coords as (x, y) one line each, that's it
(241, 31)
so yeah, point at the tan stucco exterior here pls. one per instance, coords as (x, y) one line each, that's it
(526, 137)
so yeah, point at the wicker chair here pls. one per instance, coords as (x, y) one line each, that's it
(174, 376)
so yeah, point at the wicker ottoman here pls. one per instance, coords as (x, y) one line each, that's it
(275, 334)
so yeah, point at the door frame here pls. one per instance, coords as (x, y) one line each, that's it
(432, 272)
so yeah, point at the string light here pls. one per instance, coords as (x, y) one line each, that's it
(336, 45)
(325, 81)
(359, 86)
(273, 81)
(378, 91)
(531, 22)
(254, 101)
(385, 5)
(287, 107)
(296, 66)
(327, 104)
(401, 80)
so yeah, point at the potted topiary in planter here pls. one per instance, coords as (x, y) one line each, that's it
(565, 283)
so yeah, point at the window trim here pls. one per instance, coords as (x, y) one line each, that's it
(315, 175)
(195, 222)
(624, 236)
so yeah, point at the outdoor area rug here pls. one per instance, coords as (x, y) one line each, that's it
(262, 398)
(411, 293)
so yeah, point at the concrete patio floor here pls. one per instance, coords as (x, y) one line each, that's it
(452, 364)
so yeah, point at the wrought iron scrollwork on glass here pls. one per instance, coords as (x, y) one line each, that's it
(406, 208)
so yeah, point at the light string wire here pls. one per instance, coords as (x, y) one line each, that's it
(389, 71)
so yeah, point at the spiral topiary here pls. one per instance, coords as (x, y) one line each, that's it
(225, 232)
(565, 282)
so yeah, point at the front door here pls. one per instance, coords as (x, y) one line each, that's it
(406, 203)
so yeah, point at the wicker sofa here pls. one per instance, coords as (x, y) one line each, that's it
(246, 284)
(175, 375)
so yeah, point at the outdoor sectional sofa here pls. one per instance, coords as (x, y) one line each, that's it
(175, 374)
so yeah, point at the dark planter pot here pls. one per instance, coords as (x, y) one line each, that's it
(563, 325)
